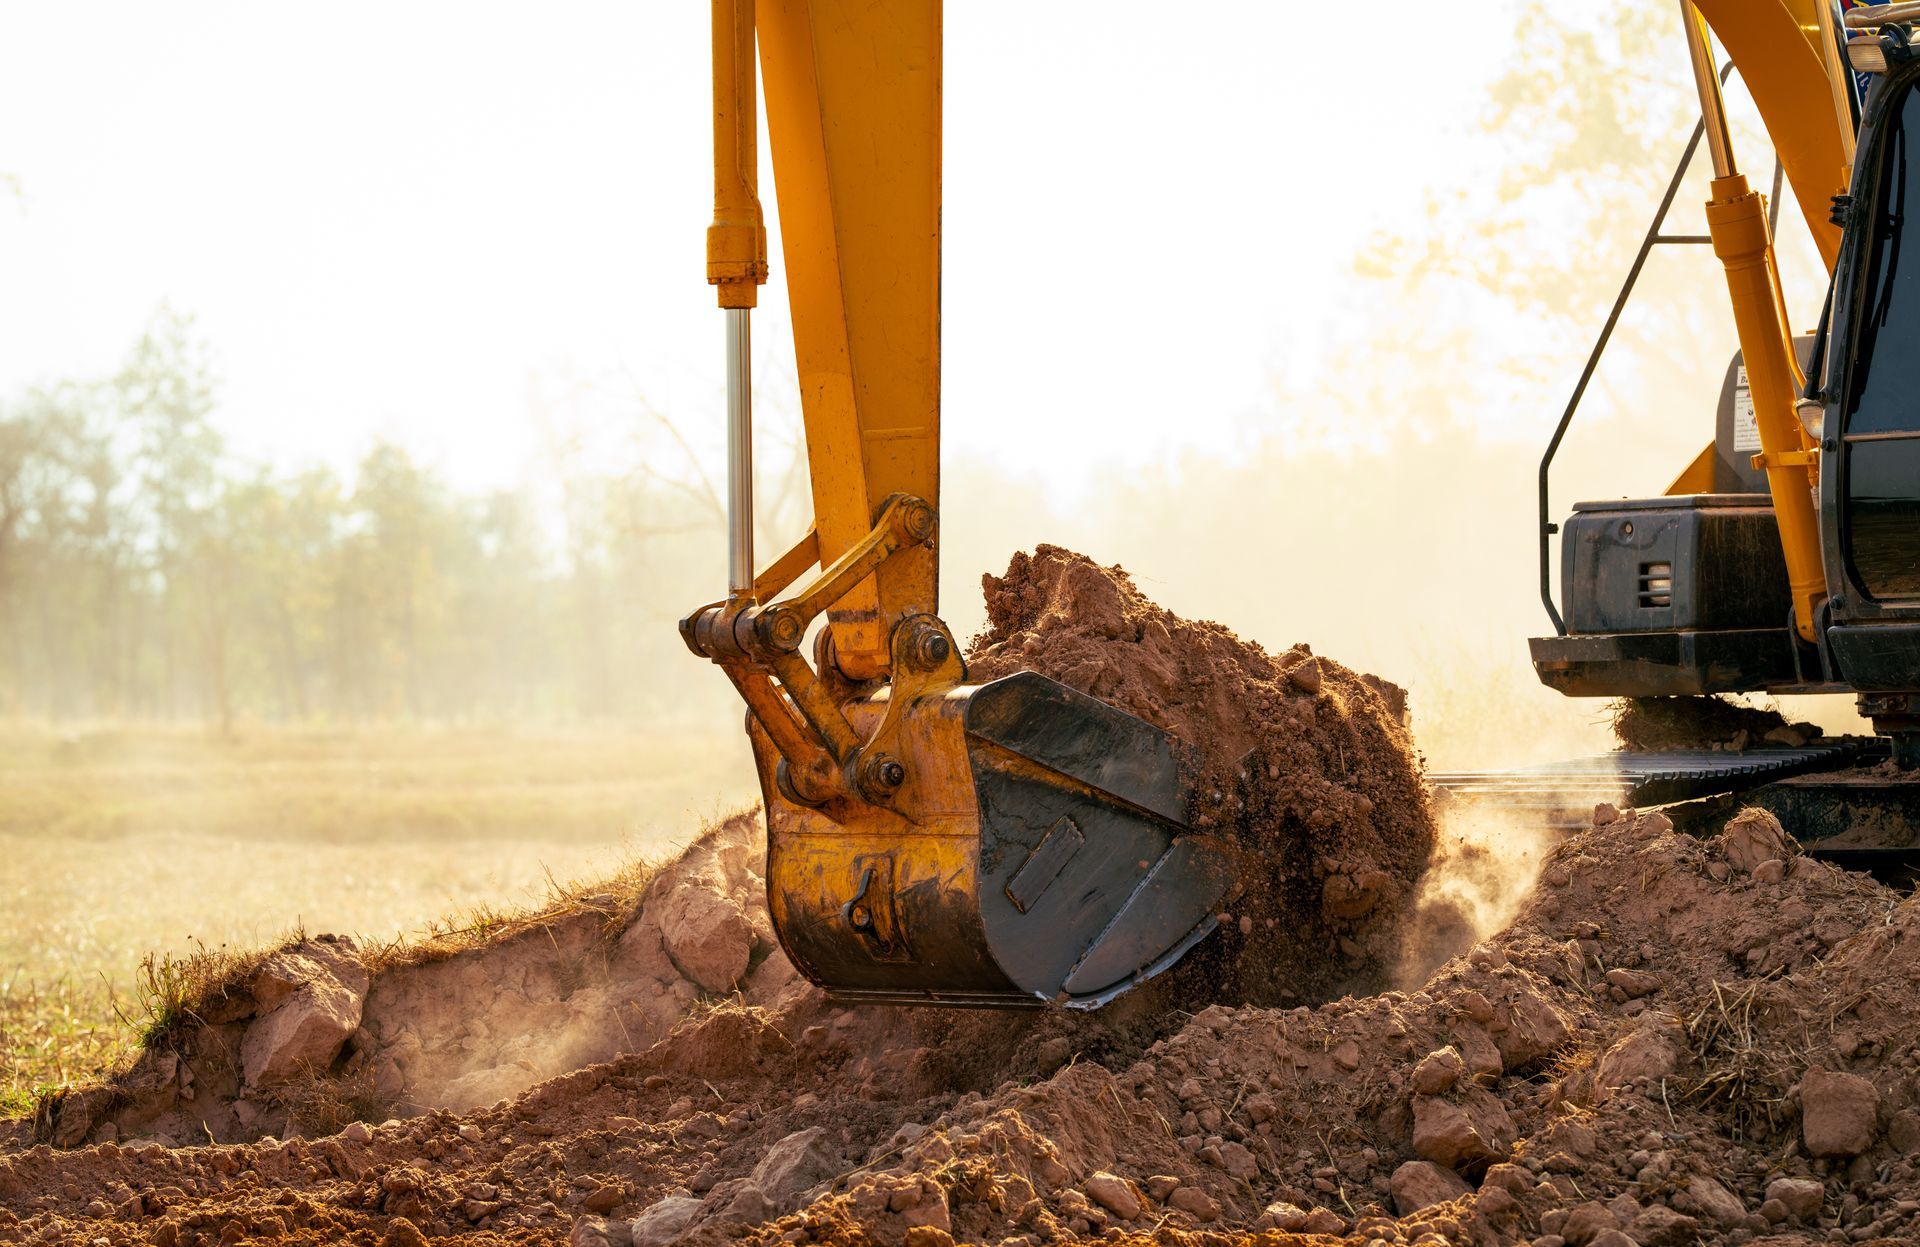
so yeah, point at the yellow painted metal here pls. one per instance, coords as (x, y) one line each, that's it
(1785, 66)
(737, 239)
(853, 92)
(1775, 45)
(1697, 477)
(1737, 221)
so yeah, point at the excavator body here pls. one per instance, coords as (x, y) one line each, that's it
(934, 841)
(1786, 557)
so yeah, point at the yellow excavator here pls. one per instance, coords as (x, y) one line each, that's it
(1019, 843)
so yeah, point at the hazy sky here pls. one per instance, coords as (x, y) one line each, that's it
(396, 219)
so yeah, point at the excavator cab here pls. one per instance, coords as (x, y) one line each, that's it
(930, 841)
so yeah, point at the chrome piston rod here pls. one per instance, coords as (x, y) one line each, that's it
(739, 452)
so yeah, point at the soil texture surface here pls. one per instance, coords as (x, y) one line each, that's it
(1665, 1041)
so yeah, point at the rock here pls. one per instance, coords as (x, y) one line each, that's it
(357, 1132)
(1799, 1197)
(1114, 1193)
(1635, 983)
(75, 1113)
(1586, 1222)
(928, 1236)
(1528, 1028)
(402, 1232)
(1661, 1226)
(1474, 1131)
(1773, 870)
(1611, 1238)
(707, 935)
(599, 1232)
(1438, 1071)
(1753, 836)
(1705, 1197)
(1903, 1131)
(324, 958)
(1195, 1202)
(1774, 1212)
(1838, 1113)
(1652, 1050)
(1160, 1185)
(666, 1222)
(792, 1165)
(1324, 1221)
(605, 1197)
(1421, 1184)
(1238, 1161)
(1346, 1054)
(1283, 1216)
(1605, 814)
(311, 1018)
(1479, 1053)
(1051, 1054)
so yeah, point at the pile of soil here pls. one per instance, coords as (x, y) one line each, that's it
(1650, 724)
(1305, 763)
(1674, 1042)
(1670, 1042)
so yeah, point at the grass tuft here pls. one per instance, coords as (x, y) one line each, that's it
(1740, 1074)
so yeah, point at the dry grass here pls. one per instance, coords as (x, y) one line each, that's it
(613, 897)
(323, 1106)
(173, 993)
(134, 861)
(1741, 1074)
(53, 1033)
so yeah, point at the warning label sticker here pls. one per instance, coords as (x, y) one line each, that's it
(1746, 430)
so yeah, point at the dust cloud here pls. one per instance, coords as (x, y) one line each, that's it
(1484, 867)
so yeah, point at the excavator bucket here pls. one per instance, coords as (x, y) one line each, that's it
(1038, 850)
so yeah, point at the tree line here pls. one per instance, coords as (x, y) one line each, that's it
(146, 573)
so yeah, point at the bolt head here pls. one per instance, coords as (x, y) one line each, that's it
(782, 628)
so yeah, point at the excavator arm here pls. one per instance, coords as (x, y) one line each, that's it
(929, 840)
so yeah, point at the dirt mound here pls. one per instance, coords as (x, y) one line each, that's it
(1670, 1042)
(1306, 763)
(1674, 1041)
(1647, 724)
(306, 1039)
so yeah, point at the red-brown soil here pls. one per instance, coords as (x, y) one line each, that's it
(1670, 1042)
(1304, 762)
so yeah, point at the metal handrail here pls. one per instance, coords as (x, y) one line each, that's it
(1653, 239)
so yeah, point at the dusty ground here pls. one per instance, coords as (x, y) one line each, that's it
(1674, 1041)
(117, 840)
(1664, 1041)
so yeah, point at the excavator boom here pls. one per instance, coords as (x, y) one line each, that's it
(929, 840)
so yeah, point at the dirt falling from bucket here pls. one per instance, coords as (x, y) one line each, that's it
(1305, 763)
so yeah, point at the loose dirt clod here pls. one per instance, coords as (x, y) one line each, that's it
(1648, 724)
(1305, 763)
(1656, 1049)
